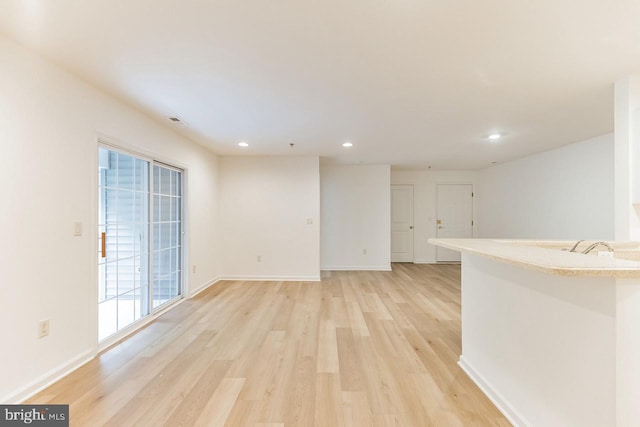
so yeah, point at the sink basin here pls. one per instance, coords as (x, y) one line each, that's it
(621, 250)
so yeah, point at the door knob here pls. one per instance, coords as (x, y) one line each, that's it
(440, 226)
(411, 227)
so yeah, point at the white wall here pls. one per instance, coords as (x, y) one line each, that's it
(356, 215)
(424, 204)
(203, 225)
(49, 124)
(265, 203)
(566, 193)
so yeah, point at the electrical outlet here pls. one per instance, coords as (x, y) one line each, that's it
(259, 258)
(309, 221)
(43, 328)
(364, 252)
(77, 229)
(193, 269)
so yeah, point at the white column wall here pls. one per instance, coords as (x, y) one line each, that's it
(627, 158)
(356, 217)
(270, 208)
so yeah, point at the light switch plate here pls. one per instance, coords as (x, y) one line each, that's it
(43, 328)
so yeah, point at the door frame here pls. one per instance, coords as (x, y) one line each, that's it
(115, 144)
(473, 209)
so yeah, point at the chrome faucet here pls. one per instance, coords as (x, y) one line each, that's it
(595, 245)
(573, 249)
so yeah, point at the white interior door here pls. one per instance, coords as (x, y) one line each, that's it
(455, 216)
(402, 223)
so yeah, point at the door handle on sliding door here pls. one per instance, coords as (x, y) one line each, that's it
(103, 237)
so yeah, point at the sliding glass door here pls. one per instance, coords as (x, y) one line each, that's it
(139, 236)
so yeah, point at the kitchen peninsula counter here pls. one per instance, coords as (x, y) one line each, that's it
(552, 337)
(547, 256)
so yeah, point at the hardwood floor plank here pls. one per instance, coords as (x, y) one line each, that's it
(218, 408)
(273, 404)
(261, 372)
(328, 348)
(243, 413)
(300, 407)
(379, 308)
(358, 349)
(339, 312)
(351, 375)
(356, 319)
(376, 385)
(357, 410)
(328, 407)
(196, 399)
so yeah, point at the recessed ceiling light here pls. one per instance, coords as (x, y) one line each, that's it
(494, 137)
(243, 144)
(347, 144)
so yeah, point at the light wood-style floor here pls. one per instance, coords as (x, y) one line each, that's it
(357, 349)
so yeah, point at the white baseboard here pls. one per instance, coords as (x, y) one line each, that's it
(272, 278)
(494, 396)
(356, 268)
(48, 378)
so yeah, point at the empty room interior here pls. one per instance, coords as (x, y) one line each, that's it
(321, 213)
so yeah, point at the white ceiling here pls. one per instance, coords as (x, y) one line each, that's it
(410, 82)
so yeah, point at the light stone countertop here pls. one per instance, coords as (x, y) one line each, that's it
(547, 256)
